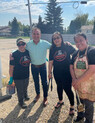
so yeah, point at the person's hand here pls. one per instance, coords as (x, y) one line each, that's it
(10, 81)
(68, 43)
(75, 83)
(49, 75)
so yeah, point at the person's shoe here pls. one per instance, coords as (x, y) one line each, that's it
(36, 98)
(23, 105)
(78, 119)
(71, 112)
(26, 98)
(59, 104)
(45, 102)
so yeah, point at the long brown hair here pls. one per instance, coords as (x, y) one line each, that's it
(62, 43)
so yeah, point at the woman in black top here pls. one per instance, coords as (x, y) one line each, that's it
(59, 59)
(19, 71)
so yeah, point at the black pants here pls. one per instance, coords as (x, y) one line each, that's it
(21, 86)
(67, 89)
(88, 112)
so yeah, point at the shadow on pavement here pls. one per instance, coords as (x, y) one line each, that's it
(56, 113)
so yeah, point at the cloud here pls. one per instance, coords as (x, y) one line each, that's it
(19, 7)
(26, 20)
(89, 2)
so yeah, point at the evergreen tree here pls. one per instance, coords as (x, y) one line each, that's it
(14, 27)
(26, 30)
(9, 23)
(41, 25)
(53, 19)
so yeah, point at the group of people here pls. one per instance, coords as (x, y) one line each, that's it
(71, 67)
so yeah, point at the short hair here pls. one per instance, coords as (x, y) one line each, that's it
(80, 34)
(36, 28)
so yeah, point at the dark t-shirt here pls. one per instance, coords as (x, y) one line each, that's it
(61, 60)
(90, 55)
(21, 61)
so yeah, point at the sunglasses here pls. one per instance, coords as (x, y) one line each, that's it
(22, 44)
(56, 38)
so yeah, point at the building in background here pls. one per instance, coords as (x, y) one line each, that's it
(5, 31)
(87, 29)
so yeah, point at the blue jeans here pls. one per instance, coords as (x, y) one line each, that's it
(43, 74)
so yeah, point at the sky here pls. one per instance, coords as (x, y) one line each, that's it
(17, 8)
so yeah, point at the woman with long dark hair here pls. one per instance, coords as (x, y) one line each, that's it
(59, 60)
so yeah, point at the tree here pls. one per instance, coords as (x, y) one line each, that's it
(41, 25)
(9, 24)
(14, 27)
(26, 30)
(76, 24)
(93, 28)
(53, 19)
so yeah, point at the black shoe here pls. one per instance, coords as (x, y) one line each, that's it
(23, 105)
(26, 98)
(36, 98)
(78, 119)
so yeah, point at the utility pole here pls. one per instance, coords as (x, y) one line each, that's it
(30, 19)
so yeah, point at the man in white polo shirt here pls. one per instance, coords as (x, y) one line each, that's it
(37, 50)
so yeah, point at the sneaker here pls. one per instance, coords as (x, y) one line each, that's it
(23, 105)
(36, 98)
(45, 102)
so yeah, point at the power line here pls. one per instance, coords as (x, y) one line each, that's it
(74, 2)
(83, 2)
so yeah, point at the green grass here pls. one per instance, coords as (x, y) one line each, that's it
(14, 37)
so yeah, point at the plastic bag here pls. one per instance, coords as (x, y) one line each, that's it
(10, 89)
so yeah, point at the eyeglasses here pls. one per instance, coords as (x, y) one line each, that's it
(80, 41)
(22, 44)
(56, 38)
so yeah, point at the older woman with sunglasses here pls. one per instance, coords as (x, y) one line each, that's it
(19, 71)
(59, 59)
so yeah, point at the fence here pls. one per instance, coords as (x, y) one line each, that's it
(70, 38)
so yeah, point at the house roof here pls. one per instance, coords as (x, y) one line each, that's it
(87, 27)
(4, 29)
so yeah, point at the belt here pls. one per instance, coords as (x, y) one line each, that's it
(38, 66)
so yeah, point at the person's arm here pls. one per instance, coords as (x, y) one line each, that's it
(74, 79)
(50, 69)
(72, 72)
(47, 44)
(11, 68)
(85, 76)
(91, 67)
